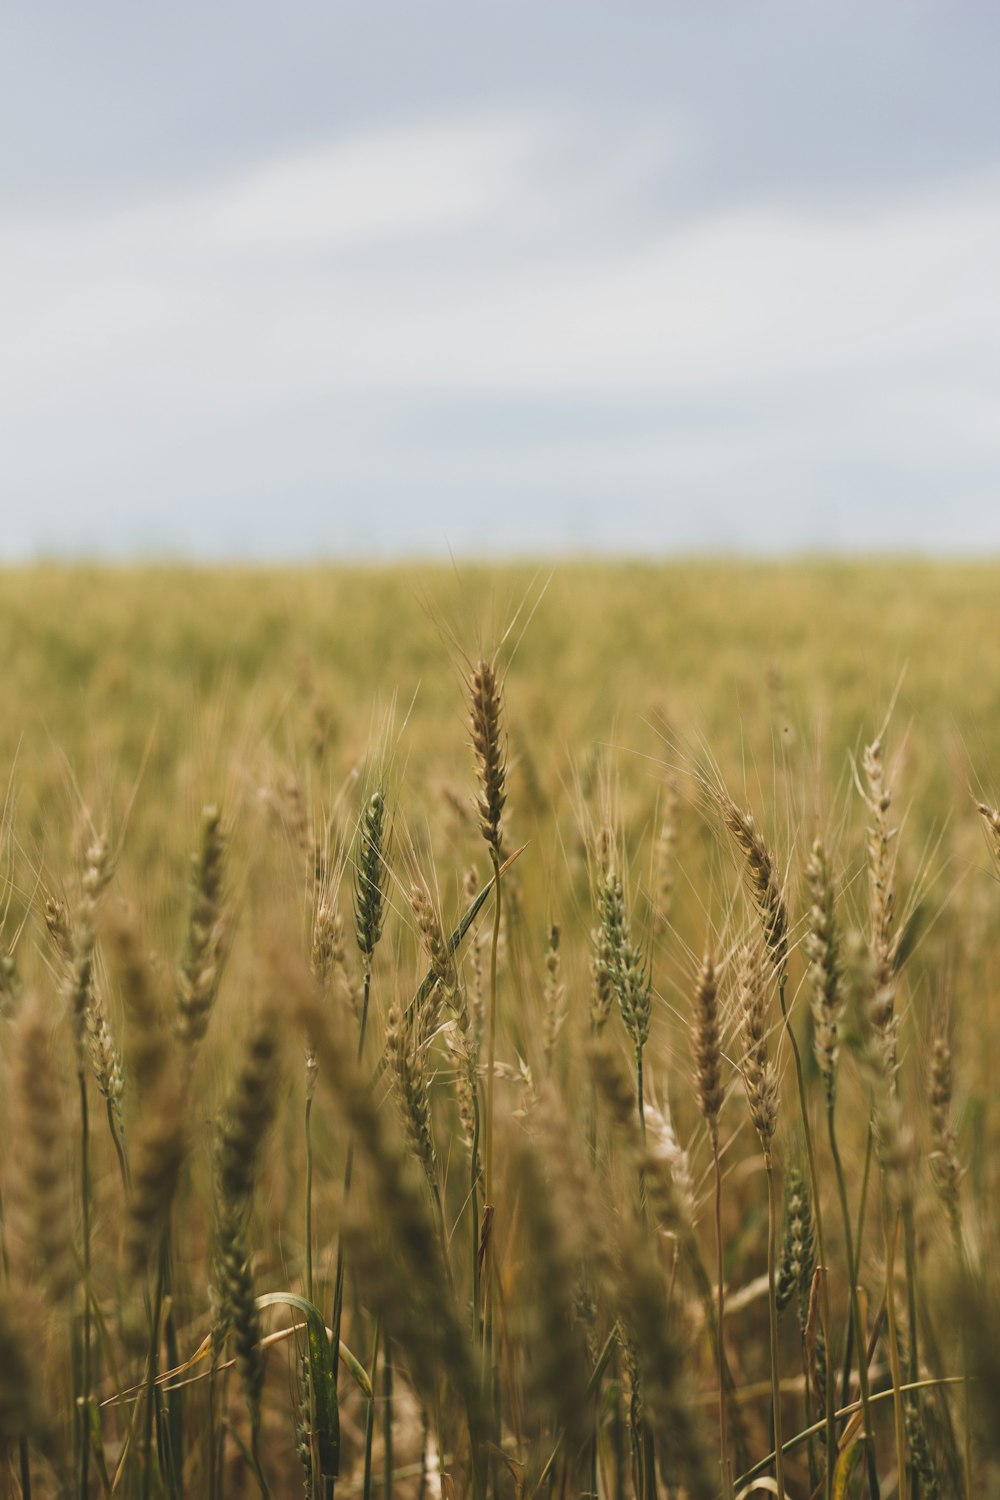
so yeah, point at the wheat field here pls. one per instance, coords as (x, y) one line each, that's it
(495, 1032)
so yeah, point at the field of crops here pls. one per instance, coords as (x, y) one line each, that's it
(477, 1032)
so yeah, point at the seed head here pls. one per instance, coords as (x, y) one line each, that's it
(555, 993)
(759, 1073)
(895, 1146)
(432, 938)
(370, 874)
(991, 817)
(706, 1046)
(250, 1110)
(767, 897)
(798, 1256)
(485, 712)
(881, 869)
(201, 967)
(822, 947)
(627, 969)
(946, 1169)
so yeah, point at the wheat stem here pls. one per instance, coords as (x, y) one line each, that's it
(772, 1312)
(307, 1130)
(366, 1483)
(338, 1290)
(152, 1360)
(24, 1463)
(889, 1241)
(818, 1215)
(727, 1477)
(491, 1045)
(490, 1383)
(84, 1393)
(859, 1331)
(387, 1460)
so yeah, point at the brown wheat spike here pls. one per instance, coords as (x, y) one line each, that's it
(57, 922)
(991, 817)
(432, 938)
(239, 1140)
(101, 1048)
(157, 1157)
(665, 1160)
(946, 1169)
(632, 1395)
(20, 1395)
(767, 896)
(895, 1146)
(11, 987)
(657, 1159)
(201, 969)
(148, 1038)
(458, 807)
(574, 1182)
(666, 854)
(406, 1057)
(556, 1354)
(759, 1074)
(325, 938)
(884, 940)
(463, 1046)
(554, 997)
(920, 1452)
(881, 838)
(614, 1086)
(604, 850)
(408, 1279)
(822, 949)
(322, 720)
(250, 1108)
(41, 1213)
(97, 871)
(300, 827)
(238, 1310)
(105, 1058)
(159, 1135)
(476, 952)
(706, 1045)
(426, 1327)
(329, 960)
(665, 1382)
(485, 722)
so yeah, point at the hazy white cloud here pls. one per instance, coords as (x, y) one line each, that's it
(277, 336)
(387, 189)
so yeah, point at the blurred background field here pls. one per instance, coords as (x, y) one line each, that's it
(136, 696)
(182, 669)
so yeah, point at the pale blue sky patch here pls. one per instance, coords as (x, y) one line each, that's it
(372, 280)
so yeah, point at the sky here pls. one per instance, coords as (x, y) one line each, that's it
(383, 279)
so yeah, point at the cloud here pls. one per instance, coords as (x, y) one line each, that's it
(313, 331)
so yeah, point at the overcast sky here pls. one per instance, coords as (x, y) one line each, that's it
(397, 276)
